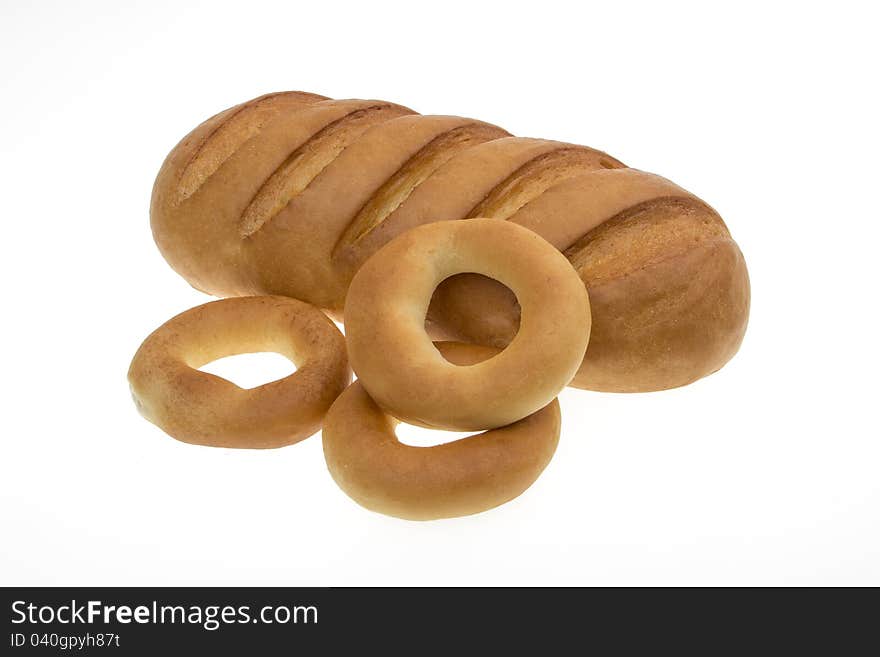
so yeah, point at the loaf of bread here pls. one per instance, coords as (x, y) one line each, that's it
(291, 192)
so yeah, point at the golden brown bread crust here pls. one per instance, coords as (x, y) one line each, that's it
(290, 194)
(200, 408)
(321, 213)
(399, 366)
(481, 180)
(459, 478)
(669, 288)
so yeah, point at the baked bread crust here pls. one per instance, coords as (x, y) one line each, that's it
(290, 193)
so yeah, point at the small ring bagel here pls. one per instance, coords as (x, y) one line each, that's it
(398, 364)
(203, 409)
(460, 478)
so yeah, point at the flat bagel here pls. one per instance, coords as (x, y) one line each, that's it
(459, 478)
(407, 376)
(203, 409)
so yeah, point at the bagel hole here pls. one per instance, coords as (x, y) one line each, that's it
(415, 436)
(251, 370)
(470, 307)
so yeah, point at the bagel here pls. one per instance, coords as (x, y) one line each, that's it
(203, 409)
(405, 374)
(459, 478)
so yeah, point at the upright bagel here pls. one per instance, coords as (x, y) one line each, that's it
(200, 408)
(400, 367)
(466, 476)
(291, 192)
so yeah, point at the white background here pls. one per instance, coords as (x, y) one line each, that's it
(764, 473)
